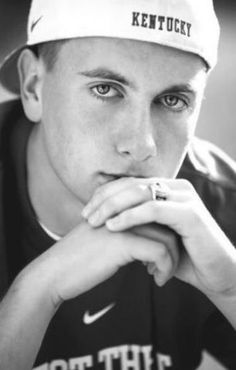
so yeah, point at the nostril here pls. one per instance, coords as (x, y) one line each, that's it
(137, 140)
(126, 153)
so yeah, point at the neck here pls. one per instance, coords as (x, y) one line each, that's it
(56, 208)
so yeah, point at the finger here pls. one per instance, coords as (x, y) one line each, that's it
(200, 234)
(105, 191)
(110, 189)
(162, 270)
(186, 271)
(151, 268)
(127, 198)
(156, 255)
(165, 213)
(159, 277)
(162, 234)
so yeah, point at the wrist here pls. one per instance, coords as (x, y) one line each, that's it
(218, 279)
(224, 298)
(35, 283)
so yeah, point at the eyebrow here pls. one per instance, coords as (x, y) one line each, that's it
(187, 88)
(107, 74)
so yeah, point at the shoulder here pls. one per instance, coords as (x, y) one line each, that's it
(207, 162)
(213, 174)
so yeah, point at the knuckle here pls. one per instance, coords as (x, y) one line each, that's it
(108, 207)
(104, 191)
(99, 194)
(141, 189)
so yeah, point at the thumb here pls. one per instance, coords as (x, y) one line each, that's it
(152, 252)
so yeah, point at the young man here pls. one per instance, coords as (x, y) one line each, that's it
(100, 171)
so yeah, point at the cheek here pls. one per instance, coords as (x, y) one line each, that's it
(77, 139)
(172, 140)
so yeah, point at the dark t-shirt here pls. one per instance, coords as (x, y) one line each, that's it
(124, 323)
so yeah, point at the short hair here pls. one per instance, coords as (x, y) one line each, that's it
(48, 51)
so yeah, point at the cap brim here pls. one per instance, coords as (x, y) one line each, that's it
(8, 71)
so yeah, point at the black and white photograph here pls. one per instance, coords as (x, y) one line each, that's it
(117, 185)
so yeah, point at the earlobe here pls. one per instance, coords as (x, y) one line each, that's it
(30, 75)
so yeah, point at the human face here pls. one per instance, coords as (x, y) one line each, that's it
(114, 108)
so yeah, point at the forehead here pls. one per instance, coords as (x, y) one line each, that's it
(140, 61)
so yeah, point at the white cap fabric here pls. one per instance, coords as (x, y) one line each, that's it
(189, 25)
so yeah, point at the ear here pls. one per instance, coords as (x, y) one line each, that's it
(30, 70)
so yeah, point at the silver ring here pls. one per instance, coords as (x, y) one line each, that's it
(159, 191)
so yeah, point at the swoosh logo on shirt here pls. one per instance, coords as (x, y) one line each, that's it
(34, 24)
(90, 319)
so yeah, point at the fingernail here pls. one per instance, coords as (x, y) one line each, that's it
(86, 211)
(84, 214)
(112, 223)
(94, 220)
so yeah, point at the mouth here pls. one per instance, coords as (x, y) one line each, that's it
(108, 177)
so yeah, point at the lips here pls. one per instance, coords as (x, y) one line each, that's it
(109, 177)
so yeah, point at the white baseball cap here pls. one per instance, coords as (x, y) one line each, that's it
(189, 25)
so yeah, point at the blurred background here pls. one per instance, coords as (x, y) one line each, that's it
(217, 121)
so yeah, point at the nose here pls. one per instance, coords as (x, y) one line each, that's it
(136, 137)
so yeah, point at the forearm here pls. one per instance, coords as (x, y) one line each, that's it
(25, 313)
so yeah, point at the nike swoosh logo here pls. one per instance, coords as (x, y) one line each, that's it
(90, 319)
(34, 24)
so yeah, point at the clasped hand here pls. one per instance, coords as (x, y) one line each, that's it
(177, 237)
(208, 259)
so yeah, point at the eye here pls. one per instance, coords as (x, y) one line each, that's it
(105, 91)
(174, 102)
